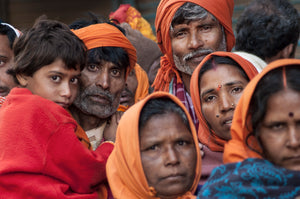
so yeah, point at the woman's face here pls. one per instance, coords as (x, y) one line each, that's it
(220, 91)
(279, 132)
(168, 155)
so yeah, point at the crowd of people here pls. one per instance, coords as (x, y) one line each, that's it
(105, 108)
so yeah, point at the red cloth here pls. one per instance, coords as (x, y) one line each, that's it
(41, 156)
(205, 134)
(221, 9)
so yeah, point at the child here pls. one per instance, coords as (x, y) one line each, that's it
(41, 157)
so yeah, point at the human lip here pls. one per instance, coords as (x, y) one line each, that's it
(174, 177)
(227, 121)
(124, 97)
(100, 99)
(293, 158)
(63, 104)
(3, 92)
(197, 58)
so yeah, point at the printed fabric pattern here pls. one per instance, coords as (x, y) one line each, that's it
(252, 178)
(179, 91)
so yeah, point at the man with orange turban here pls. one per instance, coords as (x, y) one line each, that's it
(111, 56)
(188, 30)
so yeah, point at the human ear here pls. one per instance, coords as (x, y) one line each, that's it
(22, 79)
(287, 51)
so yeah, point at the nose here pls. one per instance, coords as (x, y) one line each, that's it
(171, 156)
(103, 80)
(66, 90)
(225, 103)
(195, 41)
(293, 138)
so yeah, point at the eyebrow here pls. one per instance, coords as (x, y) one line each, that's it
(227, 84)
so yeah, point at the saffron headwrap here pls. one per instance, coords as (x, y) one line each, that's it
(128, 14)
(106, 35)
(205, 134)
(236, 149)
(142, 89)
(124, 166)
(221, 9)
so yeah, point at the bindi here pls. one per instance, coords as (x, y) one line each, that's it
(219, 87)
(291, 114)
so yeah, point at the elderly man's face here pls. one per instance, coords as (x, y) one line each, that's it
(100, 90)
(6, 61)
(193, 41)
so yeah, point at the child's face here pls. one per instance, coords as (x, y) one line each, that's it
(54, 82)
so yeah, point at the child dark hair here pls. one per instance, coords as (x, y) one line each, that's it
(45, 42)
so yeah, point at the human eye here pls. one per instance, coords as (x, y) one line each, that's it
(153, 147)
(237, 89)
(55, 78)
(209, 98)
(74, 80)
(2, 62)
(276, 126)
(115, 72)
(93, 67)
(206, 28)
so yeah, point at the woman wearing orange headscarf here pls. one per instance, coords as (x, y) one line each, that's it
(136, 170)
(216, 86)
(265, 138)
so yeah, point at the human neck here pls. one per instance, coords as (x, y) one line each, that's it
(87, 122)
(186, 78)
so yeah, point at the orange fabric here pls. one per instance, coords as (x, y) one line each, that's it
(106, 35)
(122, 108)
(83, 138)
(207, 136)
(236, 149)
(142, 89)
(124, 167)
(221, 9)
(130, 15)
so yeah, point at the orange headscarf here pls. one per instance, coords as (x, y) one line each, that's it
(124, 166)
(128, 14)
(205, 134)
(106, 35)
(142, 89)
(236, 149)
(221, 9)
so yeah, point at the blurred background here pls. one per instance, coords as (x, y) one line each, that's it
(22, 13)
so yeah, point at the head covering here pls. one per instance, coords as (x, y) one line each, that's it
(255, 60)
(17, 32)
(236, 149)
(124, 166)
(106, 35)
(205, 134)
(142, 89)
(128, 14)
(221, 9)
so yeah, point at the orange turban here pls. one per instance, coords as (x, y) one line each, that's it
(124, 166)
(236, 149)
(142, 89)
(221, 9)
(106, 35)
(205, 134)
